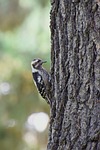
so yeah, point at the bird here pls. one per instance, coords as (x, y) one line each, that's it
(41, 78)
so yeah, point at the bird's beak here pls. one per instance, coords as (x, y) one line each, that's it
(44, 62)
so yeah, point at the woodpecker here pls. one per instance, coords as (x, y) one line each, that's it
(41, 78)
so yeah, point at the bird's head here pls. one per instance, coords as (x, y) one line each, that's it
(37, 64)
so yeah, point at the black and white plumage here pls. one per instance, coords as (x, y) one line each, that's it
(41, 78)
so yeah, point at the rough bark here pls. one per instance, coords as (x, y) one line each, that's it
(75, 71)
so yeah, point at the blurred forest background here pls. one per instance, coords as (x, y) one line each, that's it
(24, 35)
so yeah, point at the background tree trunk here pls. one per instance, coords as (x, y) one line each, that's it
(75, 70)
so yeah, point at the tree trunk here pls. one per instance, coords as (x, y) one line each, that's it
(75, 71)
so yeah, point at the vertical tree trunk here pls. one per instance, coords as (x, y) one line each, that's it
(75, 71)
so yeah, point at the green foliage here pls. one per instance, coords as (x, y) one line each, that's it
(21, 41)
